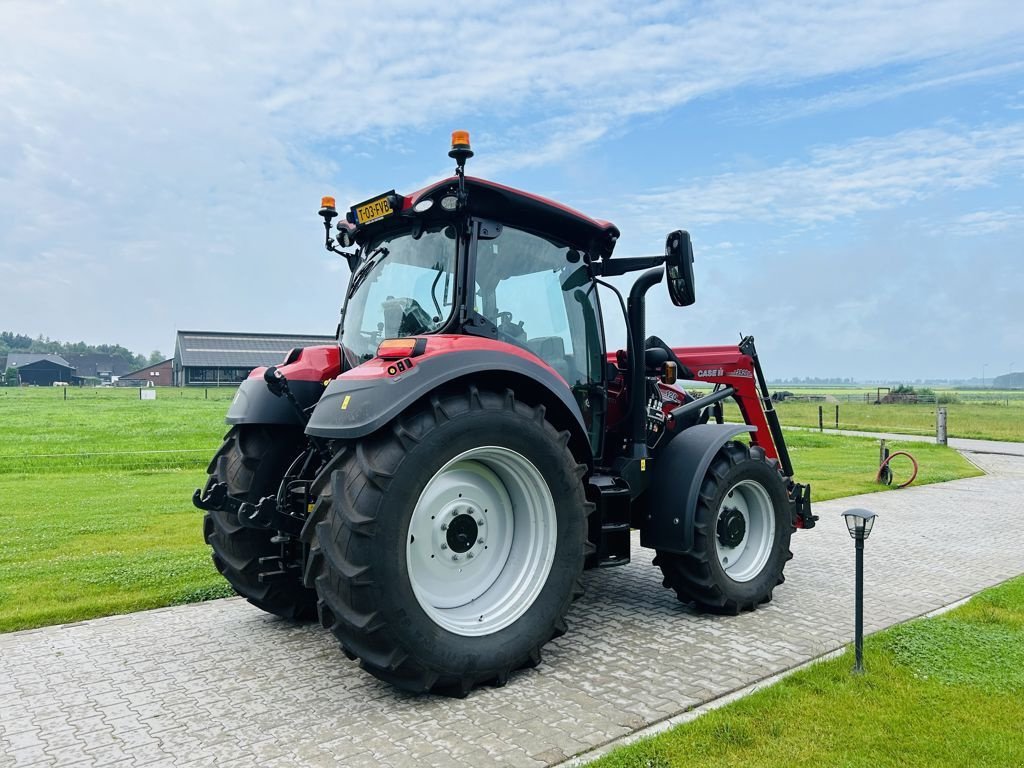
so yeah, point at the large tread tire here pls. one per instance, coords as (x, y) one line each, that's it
(358, 555)
(252, 461)
(698, 576)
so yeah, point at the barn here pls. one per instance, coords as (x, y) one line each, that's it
(212, 358)
(159, 375)
(40, 370)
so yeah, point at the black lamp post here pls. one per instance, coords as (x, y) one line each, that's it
(859, 522)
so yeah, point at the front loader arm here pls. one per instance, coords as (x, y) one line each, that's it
(738, 367)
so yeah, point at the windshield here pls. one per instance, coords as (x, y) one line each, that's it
(405, 288)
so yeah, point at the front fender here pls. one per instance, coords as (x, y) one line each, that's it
(364, 399)
(671, 498)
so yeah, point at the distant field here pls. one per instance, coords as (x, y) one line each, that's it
(871, 393)
(1001, 417)
(989, 421)
(95, 497)
(42, 432)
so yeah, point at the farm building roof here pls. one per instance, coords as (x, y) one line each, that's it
(213, 349)
(143, 373)
(21, 359)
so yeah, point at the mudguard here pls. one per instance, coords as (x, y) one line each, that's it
(364, 399)
(678, 474)
(254, 404)
(307, 370)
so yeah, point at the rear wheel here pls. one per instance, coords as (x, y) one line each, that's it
(452, 543)
(742, 530)
(252, 461)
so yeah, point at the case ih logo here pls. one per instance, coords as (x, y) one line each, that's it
(708, 372)
(743, 373)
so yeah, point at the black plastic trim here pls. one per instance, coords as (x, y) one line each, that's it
(254, 403)
(677, 476)
(372, 403)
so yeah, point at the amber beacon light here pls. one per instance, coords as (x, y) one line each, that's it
(460, 145)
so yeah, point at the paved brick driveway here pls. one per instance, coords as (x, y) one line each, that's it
(223, 684)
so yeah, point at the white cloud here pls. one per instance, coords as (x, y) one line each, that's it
(950, 74)
(842, 181)
(986, 222)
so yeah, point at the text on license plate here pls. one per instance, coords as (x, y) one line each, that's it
(373, 210)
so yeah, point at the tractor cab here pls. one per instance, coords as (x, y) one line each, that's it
(469, 257)
(428, 265)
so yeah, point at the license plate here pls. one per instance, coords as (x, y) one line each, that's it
(373, 210)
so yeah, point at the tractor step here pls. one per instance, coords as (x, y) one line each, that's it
(609, 524)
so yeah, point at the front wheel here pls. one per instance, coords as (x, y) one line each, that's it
(453, 543)
(742, 529)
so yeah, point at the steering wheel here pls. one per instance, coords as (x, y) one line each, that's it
(506, 326)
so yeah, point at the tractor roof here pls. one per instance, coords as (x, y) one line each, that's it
(522, 209)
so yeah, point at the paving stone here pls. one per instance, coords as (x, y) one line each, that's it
(222, 683)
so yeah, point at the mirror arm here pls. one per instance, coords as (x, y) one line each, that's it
(614, 267)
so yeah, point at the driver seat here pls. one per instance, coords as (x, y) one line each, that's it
(551, 349)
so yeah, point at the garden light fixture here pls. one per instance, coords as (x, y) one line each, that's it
(859, 523)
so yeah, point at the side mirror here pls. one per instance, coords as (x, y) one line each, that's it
(679, 268)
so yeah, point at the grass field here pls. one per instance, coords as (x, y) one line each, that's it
(946, 691)
(988, 421)
(95, 497)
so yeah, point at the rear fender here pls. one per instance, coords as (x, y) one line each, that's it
(671, 498)
(307, 370)
(364, 399)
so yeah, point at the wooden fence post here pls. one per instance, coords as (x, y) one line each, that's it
(821, 418)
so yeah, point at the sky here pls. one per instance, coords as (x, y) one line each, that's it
(852, 174)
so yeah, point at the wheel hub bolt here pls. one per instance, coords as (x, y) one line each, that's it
(444, 526)
(469, 555)
(480, 521)
(444, 546)
(455, 557)
(479, 541)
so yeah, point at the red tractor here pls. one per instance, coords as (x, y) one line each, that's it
(434, 484)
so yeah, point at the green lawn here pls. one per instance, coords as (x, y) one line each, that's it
(42, 432)
(836, 465)
(947, 691)
(80, 545)
(95, 497)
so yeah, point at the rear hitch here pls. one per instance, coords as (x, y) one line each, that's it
(266, 515)
(216, 499)
(277, 568)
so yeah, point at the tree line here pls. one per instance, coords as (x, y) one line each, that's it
(19, 342)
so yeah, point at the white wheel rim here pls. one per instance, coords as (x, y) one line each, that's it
(481, 541)
(745, 559)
